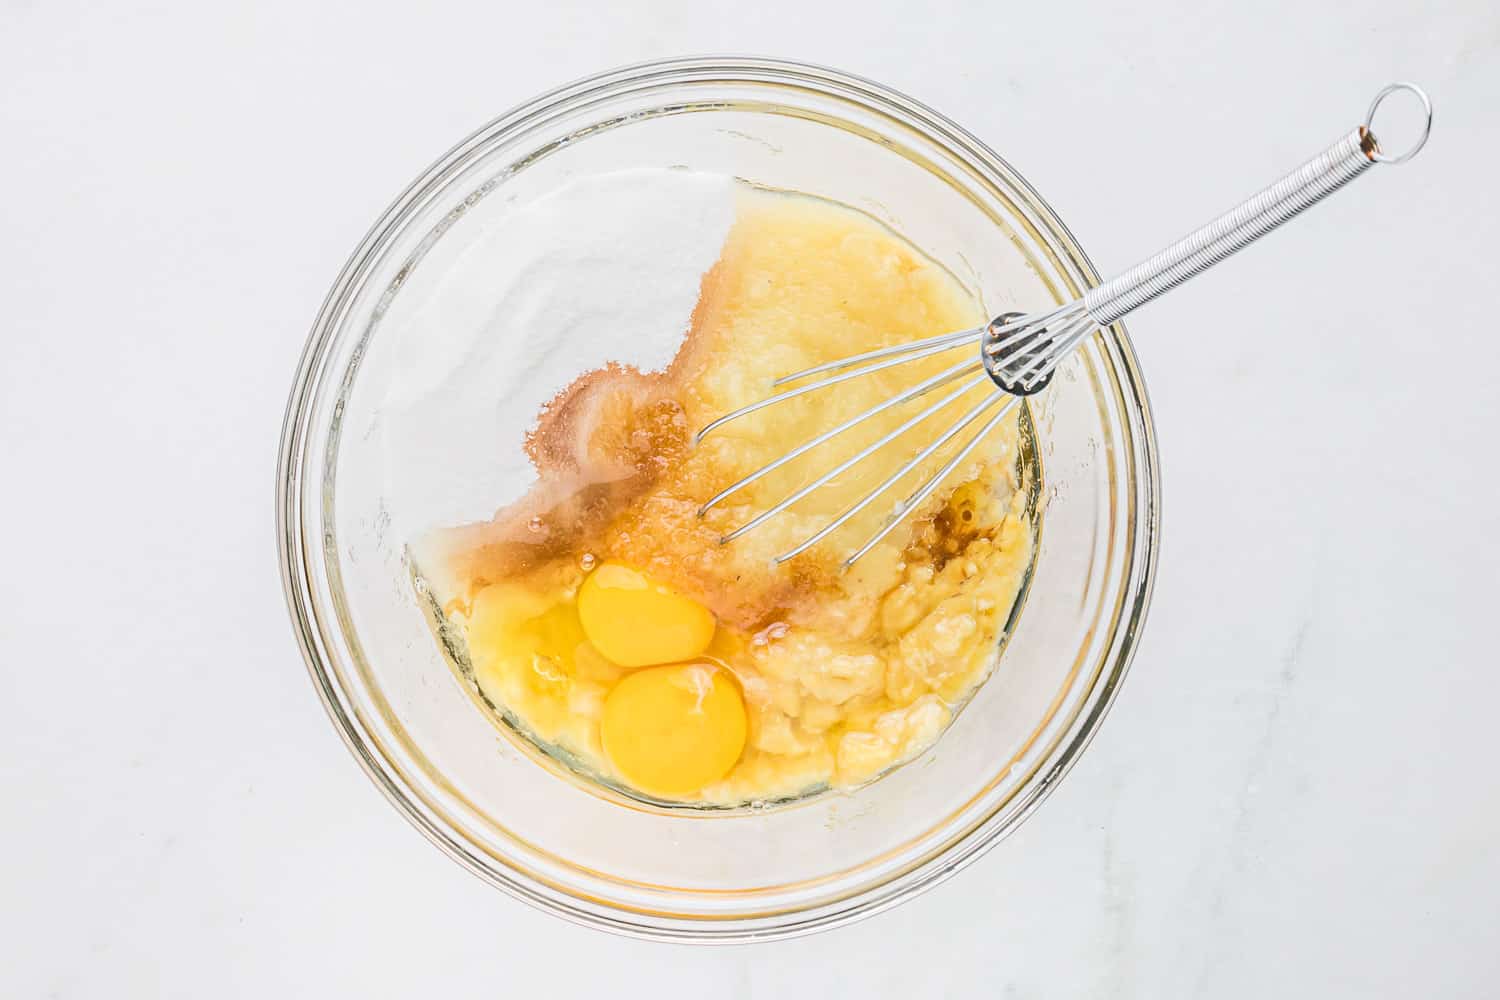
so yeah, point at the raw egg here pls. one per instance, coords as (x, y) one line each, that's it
(637, 622)
(671, 730)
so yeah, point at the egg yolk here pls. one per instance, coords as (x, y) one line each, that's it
(636, 622)
(671, 730)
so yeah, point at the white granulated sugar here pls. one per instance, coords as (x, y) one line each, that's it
(512, 305)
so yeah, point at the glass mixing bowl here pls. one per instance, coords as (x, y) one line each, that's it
(520, 820)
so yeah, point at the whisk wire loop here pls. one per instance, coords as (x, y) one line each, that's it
(921, 388)
(921, 456)
(852, 461)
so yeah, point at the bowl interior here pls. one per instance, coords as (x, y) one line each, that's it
(520, 819)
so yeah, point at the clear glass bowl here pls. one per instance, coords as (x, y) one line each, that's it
(524, 823)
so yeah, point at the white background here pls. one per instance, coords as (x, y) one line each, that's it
(1296, 794)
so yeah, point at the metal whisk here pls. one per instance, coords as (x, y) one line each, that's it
(1020, 352)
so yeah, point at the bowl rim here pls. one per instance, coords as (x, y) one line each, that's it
(1141, 546)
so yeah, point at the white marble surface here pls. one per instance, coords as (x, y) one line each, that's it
(1295, 795)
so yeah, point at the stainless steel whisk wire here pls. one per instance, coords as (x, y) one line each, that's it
(1019, 352)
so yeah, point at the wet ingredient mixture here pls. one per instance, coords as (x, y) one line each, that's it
(603, 618)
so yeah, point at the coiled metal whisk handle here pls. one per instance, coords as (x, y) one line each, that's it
(1302, 188)
(1020, 352)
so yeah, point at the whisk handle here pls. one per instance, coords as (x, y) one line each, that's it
(1301, 189)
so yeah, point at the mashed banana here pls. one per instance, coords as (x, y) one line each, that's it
(841, 674)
